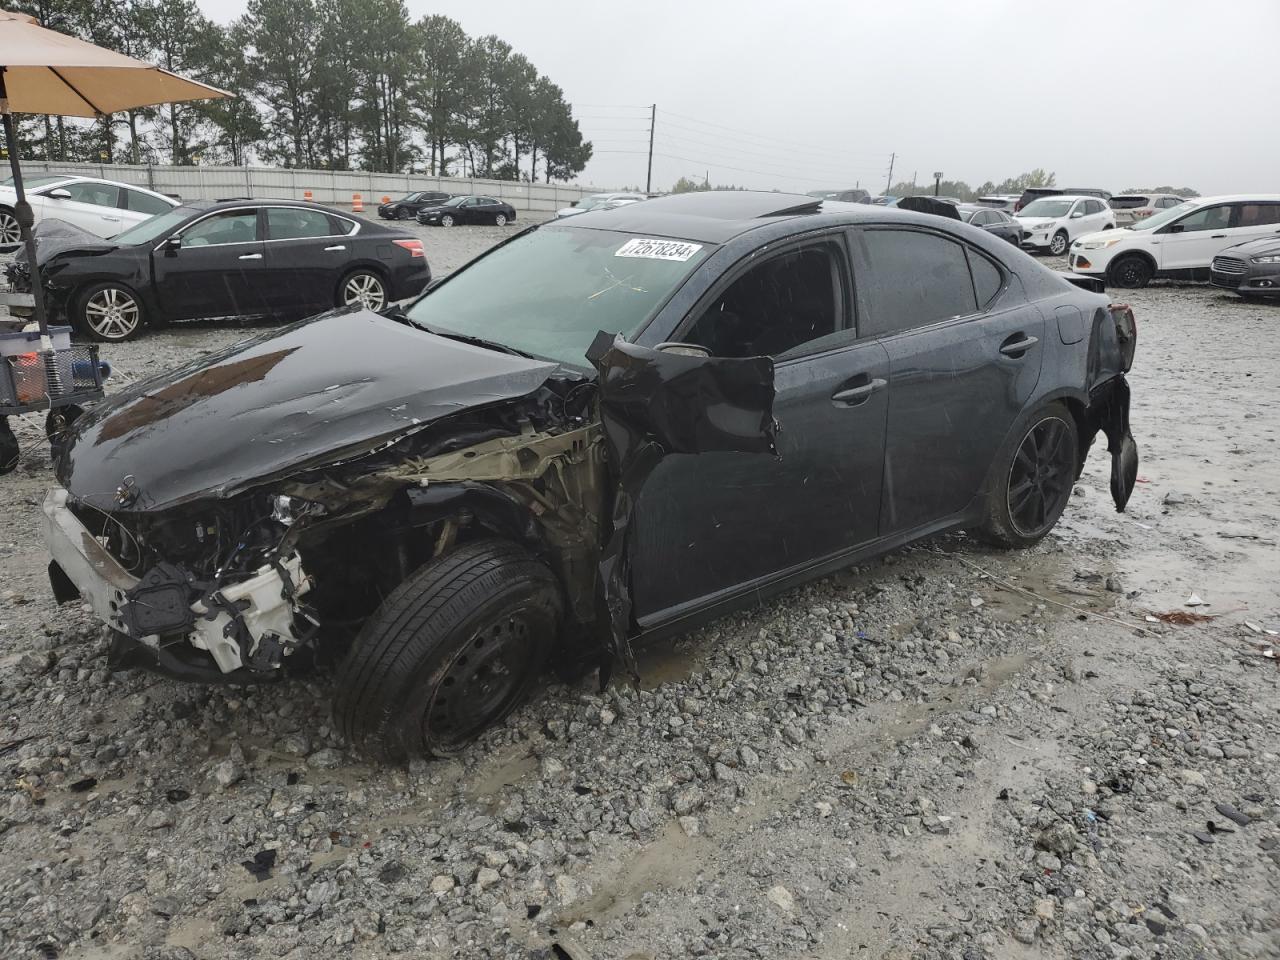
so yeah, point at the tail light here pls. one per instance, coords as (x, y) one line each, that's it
(413, 246)
(1126, 331)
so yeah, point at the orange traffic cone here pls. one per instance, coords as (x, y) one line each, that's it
(306, 195)
(357, 204)
(386, 199)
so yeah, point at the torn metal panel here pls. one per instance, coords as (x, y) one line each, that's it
(653, 403)
(335, 386)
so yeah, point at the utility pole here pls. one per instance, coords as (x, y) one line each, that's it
(648, 177)
(937, 181)
(913, 183)
(889, 186)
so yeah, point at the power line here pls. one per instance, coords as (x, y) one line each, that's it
(725, 166)
(747, 133)
(832, 167)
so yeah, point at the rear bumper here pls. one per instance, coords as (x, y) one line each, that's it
(264, 606)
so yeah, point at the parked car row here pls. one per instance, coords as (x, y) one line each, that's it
(436, 208)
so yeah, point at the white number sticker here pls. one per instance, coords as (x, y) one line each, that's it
(658, 249)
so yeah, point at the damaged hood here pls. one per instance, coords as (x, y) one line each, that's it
(329, 388)
(57, 236)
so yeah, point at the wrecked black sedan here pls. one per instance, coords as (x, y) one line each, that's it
(605, 429)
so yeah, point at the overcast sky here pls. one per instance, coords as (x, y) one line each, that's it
(818, 94)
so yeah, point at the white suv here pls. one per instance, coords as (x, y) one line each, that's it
(1051, 223)
(1179, 243)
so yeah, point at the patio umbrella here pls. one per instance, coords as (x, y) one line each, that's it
(43, 71)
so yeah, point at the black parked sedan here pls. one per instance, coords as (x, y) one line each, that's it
(223, 259)
(1251, 269)
(407, 207)
(996, 222)
(458, 210)
(611, 428)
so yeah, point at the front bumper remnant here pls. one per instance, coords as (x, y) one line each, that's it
(249, 624)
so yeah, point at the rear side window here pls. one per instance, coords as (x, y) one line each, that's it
(1259, 214)
(293, 223)
(145, 203)
(987, 278)
(913, 279)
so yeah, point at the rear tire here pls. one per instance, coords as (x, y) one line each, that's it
(1130, 272)
(1031, 479)
(362, 287)
(452, 651)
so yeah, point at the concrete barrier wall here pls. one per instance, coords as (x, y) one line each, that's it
(332, 187)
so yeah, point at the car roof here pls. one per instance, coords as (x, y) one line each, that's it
(1235, 198)
(1072, 196)
(717, 216)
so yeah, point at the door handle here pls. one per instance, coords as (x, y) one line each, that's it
(1218, 236)
(1016, 348)
(111, 219)
(250, 256)
(858, 394)
(337, 247)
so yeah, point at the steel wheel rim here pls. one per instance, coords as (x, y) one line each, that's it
(481, 682)
(364, 289)
(1058, 245)
(112, 314)
(500, 220)
(1130, 273)
(10, 232)
(446, 221)
(1040, 477)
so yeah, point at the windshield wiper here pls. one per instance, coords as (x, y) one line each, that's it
(402, 317)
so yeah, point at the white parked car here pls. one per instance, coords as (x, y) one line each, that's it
(1052, 223)
(600, 201)
(1138, 206)
(103, 207)
(1178, 243)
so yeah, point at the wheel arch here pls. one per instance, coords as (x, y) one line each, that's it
(1137, 252)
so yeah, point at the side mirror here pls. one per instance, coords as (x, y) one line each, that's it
(59, 194)
(1078, 213)
(172, 246)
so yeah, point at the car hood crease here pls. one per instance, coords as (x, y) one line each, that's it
(316, 392)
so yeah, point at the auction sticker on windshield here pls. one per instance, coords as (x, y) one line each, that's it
(658, 249)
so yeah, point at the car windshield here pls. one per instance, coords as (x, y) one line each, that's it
(1046, 208)
(549, 292)
(1155, 221)
(455, 201)
(967, 215)
(410, 198)
(153, 229)
(591, 203)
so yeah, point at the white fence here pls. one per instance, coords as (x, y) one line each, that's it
(326, 186)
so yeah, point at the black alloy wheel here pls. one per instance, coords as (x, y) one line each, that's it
(1031, 478)
(1130, 272)
(403, 213)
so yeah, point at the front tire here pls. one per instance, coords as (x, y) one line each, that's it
(1031, 479)
(500, 220)
(1058, 245)
(403, 214)
(1130, 272)
(363, 288)
(446, 220)
(10, 232)
(10, 452)
(452, 651)
(109, 312)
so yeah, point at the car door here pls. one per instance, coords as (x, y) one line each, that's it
(303, 255)
(1192, 241)
(964, 356)
(88, 204)
(712, 526)
(214, 270)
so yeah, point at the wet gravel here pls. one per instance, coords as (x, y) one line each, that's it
(947, 753)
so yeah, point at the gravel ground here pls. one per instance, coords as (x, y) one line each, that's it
(947, 753)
